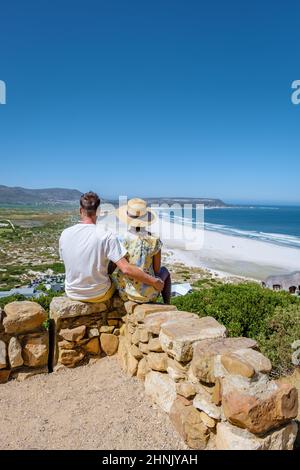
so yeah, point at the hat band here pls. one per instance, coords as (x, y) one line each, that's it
(136, 215)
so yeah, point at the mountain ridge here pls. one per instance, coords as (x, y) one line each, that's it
(20, 195)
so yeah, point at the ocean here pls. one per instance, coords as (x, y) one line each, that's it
(279, 225)
(273, 224)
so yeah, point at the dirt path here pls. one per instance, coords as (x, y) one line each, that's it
(92, 407)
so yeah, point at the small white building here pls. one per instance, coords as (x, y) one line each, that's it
(181, 289)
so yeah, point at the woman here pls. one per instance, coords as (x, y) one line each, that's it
(144, 251)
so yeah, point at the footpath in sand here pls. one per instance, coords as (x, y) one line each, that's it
(92, 407)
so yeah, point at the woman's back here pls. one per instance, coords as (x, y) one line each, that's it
(141, 247)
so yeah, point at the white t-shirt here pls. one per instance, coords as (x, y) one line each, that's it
(86, 251)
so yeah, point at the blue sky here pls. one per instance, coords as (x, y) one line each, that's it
(152, 98)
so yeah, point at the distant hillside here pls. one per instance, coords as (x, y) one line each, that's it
(207, 202)
(19, 195)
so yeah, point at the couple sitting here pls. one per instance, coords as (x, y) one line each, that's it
(94, 257)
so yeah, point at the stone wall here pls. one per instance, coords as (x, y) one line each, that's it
(81, 331)
(215, 389)
(24, 342)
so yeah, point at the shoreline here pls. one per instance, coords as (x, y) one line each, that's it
(223, 254)
(227, 255)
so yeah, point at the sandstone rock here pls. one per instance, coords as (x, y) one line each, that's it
(158, 361)
(4, 375)
(132, 365)
(176, 370)
(93, 346)
(144, 348)
(141, 335)
(203, 402)
(141, 311)
(283, 438)
(70, 357)
(232, 438)
(35, 350)
(62, 307)
(144, 335)
(257, 360)
(205, 352)
(188, 423)
(3, 362)
(142, 369)
(130, 306)
(136, 352)
(93, 333)
(207, 420)
(237, 366)
(66, 344)
(107, 329)
(177, 337)
(23, 317)
(186, 389)
(15, 353)
(203, 367)
(153, 321)
(161, 388)
(217, 393)
(154, 345)
(21, 375)
(122, 330)
(261, 412)
(184, 401)
(109, 343)
(123, 353)
(259, 385)
(74, 334)
(128, 331)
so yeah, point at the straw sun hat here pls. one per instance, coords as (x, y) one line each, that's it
(136, 213)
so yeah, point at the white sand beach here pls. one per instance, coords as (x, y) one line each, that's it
(220, 253)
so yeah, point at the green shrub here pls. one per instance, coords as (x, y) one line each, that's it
(43, 300)
(281, 330)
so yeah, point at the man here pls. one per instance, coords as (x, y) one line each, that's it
(86, 253)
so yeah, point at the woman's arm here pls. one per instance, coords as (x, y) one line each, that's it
(157, 262)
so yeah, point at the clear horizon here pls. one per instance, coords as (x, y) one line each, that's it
(167, 97)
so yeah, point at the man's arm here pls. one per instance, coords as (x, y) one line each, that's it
(136, 273)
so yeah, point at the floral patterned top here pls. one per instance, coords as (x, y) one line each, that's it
(141, 247)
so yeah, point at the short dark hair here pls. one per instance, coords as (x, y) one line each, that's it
(90, 202)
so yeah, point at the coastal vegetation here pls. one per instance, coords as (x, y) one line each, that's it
(32, 247)
(246, 309)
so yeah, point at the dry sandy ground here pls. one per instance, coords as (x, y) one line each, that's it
(92, 407)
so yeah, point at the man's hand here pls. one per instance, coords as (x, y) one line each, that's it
(138, 274)
(158, 284)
